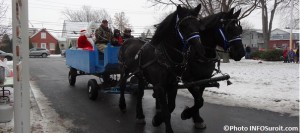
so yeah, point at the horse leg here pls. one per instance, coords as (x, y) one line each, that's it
(157, 107)
(139, 107)
(172, 93)
(122, 103)
(164, 115)
(193, 112)
(199, 122)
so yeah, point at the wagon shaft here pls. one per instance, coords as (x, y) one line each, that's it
(212, 82)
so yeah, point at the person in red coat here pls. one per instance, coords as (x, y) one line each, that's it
(285, 55)
(117, 39)
(83, 41)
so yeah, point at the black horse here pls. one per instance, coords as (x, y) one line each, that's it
(221, 29)
(160, 61)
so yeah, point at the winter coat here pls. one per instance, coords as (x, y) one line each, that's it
(103, 35)
(117, 41)
(84, 43)
(285, 53)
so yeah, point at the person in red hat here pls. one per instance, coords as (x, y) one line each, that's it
(83, 41)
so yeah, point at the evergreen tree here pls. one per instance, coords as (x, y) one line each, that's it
(30, 44)
(57, 49)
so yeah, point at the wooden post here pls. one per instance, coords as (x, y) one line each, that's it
(20, 66)
(291, 25)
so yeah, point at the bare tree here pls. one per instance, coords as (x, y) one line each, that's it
(3, 10)
(121, 22)
(210, 7)
(267, 22)
(285, 14)
(86, 14)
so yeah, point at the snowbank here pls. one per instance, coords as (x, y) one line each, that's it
(272, 86)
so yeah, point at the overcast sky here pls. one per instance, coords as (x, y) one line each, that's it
(48, 13)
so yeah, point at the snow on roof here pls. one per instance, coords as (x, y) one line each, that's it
(287, 30)
(72, 29)
(60, 39)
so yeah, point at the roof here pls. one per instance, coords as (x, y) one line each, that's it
(44, 29)
(60, 39)
(72, 29)
(254, 30)
(295, 31)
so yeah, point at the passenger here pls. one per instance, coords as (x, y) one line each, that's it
(103, 36)
(117, 39)
(127, 34)
(83, 42)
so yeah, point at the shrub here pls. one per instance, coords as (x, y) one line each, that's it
(256, 55)
(270, 55)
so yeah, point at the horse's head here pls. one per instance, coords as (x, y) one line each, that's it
(181, 27)
(230, 31)
(188, 26)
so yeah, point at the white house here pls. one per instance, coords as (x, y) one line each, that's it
(253, 38)
(71, 31)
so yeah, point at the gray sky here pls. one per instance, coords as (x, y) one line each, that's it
(48, 13)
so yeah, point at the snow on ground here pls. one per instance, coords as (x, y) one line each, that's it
(272, 86)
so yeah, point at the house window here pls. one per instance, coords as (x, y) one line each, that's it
(43, 45)
(52, 46)
(43, 35)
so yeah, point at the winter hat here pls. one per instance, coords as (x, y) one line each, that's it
(104, 21)
(82, 32)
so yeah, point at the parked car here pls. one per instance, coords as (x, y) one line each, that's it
(43, 52)
(8, 56)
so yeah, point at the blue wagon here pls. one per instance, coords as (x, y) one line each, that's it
(89, 62)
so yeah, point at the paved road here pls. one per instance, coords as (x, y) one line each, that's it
(103, 115)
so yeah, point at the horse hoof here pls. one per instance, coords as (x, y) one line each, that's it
(140, 121)
(186, 114)
(200, 125)
(156, 121)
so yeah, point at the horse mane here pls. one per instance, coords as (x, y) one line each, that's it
(164, 28)
(212, 20)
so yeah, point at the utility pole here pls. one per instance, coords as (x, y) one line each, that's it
(291, 25)
(21, 66)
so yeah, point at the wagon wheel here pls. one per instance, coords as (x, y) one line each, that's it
(93, 89)
(72, 76)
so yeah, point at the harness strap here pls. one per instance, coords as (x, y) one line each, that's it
(140, 69)
(235, 39)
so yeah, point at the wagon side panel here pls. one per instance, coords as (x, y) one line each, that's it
(82, 60)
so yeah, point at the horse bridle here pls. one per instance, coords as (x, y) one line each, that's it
(227, 43)
(185, 40)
